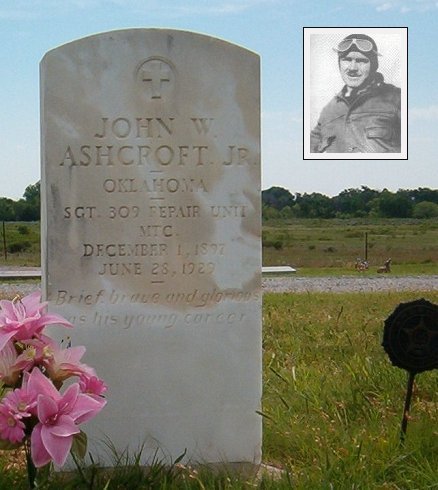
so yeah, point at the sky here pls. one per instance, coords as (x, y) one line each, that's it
(271, 28)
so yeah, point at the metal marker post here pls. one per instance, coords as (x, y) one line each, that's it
(4, 241)
(409, 390)
(410, 338)
(366, 246)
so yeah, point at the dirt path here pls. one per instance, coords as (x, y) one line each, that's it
(350, 283)
(300, 284)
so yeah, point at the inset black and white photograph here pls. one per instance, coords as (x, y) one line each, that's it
(355, 93)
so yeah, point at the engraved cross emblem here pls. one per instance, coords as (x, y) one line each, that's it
(155, 73)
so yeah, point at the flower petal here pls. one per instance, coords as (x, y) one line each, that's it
(5, 337)
(40, 456)
(32, 301)
(68, 400)
(57, 447)
(46, 408)
(92, 385)
(38, 384)
(72, 354)
(7, 310)
(51, 318)
(65, 427)
(86, 408)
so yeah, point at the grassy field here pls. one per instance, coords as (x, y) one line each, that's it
(22, 244)
(332, 246)
(332, 400)
(315, 247)
(332, 406)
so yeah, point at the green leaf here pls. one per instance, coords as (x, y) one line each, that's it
(180, 457)
(264, 415)
(79, 446)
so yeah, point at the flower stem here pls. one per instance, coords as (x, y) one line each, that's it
(31, 469)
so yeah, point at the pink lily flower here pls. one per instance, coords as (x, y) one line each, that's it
(58, 418)
(33, 352)
(22, 319)
(92, 385)
(64, 363)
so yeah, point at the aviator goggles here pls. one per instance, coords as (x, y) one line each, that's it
(362, 44)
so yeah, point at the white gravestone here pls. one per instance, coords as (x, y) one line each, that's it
(151, 235)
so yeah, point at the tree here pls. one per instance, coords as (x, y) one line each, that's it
(425, 209)
(398, 205)
(354, 202)
(278, 198)
(424, 194)
(269, 213)
(28, 209)
(32, 193)
(315, 205)
(7, 211)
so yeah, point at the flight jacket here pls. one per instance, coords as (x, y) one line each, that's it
(368, 122)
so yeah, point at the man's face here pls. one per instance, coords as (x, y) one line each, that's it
(355, 68)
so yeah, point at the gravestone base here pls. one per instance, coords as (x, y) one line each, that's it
(249, 472)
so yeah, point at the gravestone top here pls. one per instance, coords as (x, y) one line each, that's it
(152, 234)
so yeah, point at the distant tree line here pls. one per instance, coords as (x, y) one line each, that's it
(351, 203)
(280, 203)
(25, 209)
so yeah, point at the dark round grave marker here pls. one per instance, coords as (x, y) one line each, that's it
(410, 337)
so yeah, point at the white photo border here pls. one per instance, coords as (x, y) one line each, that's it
(308, 121)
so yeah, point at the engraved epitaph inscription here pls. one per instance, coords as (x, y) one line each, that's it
(151, 235)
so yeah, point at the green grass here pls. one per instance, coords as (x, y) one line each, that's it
(332, 246)
(22, 244)
(332, 407)
(396, 270)
(332, 400)
(314, 247)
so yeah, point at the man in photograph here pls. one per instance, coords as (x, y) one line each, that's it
(365, 116)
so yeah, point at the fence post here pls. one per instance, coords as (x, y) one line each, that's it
(4, 242)
(366, 246)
